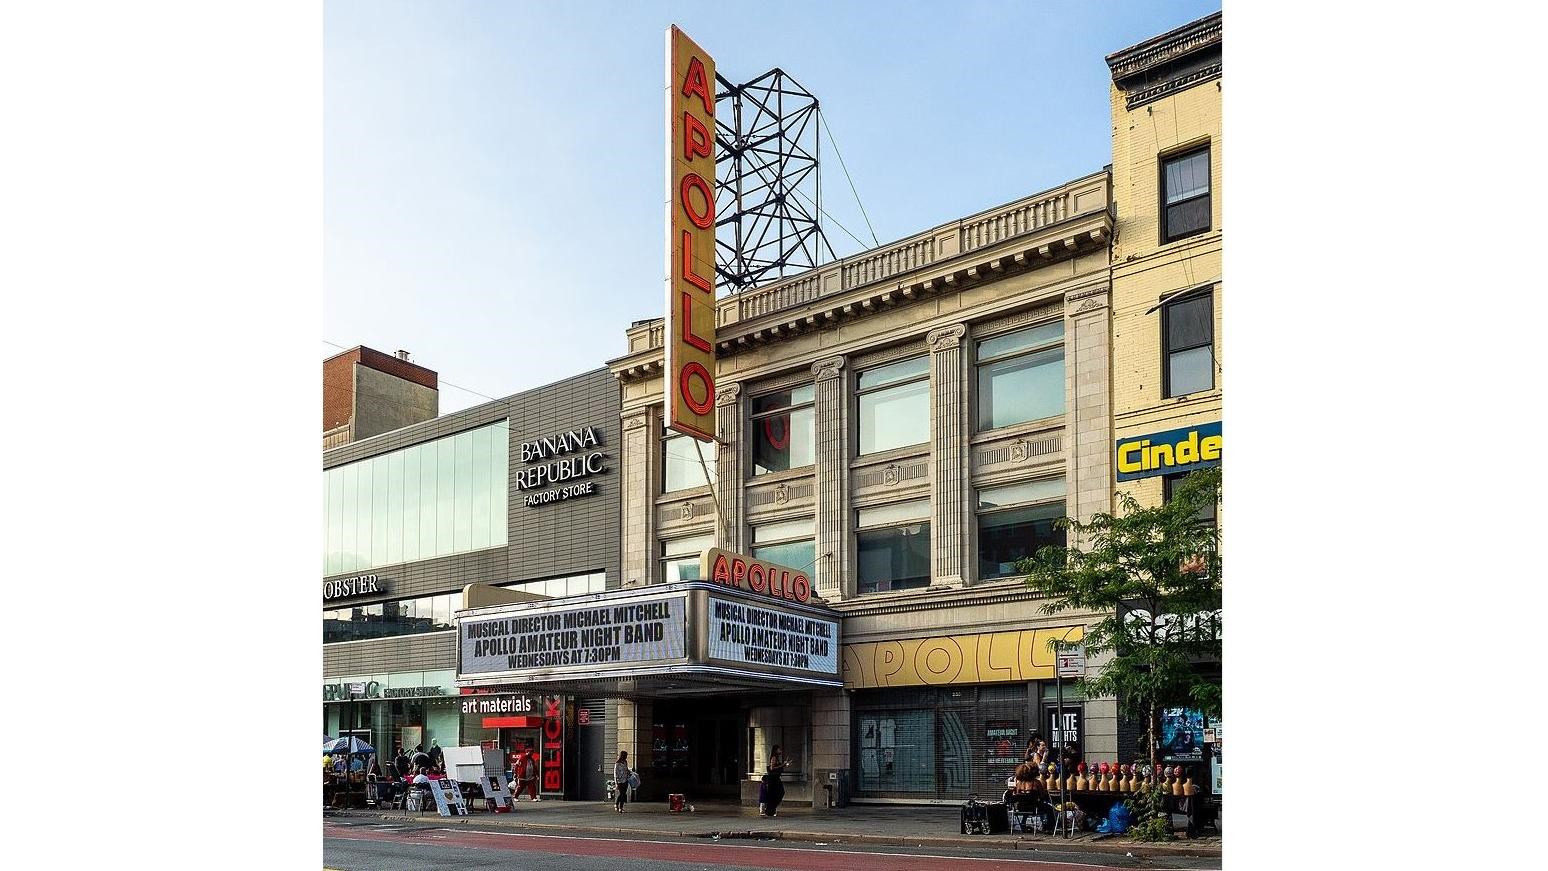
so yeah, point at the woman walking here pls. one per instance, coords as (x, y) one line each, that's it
(774, 791)
(621, 774)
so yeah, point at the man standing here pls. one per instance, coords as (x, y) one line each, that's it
(527, 773)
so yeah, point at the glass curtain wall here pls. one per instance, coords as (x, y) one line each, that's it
(432, 499)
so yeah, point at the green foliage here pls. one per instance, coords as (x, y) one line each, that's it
(1148, 809)
(1154, 573)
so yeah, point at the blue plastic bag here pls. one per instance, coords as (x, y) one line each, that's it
(1117, 821)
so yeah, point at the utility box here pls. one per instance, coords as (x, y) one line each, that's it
(830, 789)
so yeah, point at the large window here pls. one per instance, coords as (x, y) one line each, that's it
(681, 467)
(1014, 521)
(783, 436)
(789, 543)
(432, 499)
(1188, 328)
(1021, 376)
(895, 405)
(386, 619)
(1185, 200)
(574, 585)
(893, 547)
(680, 557)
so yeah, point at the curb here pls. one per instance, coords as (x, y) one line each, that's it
(1048, 844)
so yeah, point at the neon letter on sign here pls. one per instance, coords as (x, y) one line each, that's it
(690, 243)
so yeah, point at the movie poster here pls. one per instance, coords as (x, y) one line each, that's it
(1182, 735)
(1004, 743)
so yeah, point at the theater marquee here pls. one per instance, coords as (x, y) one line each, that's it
(690, 244)
(649, 640)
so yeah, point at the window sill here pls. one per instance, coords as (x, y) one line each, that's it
(679, 495)
(786, 475)
(1043, 425)
(905, 452)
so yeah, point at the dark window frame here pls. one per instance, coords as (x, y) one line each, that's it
(1167, 351)
(979, 362)
(1169, 482)
(1163, 206)
(753, 419)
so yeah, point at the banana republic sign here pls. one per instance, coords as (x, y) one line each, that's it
(562, 459)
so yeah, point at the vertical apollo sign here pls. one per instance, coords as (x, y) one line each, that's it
(690, 248)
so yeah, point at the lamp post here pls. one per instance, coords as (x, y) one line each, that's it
(1059, 721)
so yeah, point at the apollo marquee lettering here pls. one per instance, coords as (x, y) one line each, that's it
(576, 637)
(743, 572)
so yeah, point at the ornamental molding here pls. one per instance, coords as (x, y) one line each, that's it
(887, 355)
(688, 510)
(782, 494)
(727, 394)
(1156, 92)
(891, 474)
(827, 370)
(946, 338)
(1166, 48)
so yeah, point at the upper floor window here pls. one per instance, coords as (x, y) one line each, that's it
(1014, 521)
(1021, 376)
(895, 405)
(680, 557)
(1188, 333)
(893, 547)
(681, 469)
(790, 543)
(1185, 200)
(1207, 513)
(783, 434)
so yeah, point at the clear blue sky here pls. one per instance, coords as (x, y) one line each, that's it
(493, 169)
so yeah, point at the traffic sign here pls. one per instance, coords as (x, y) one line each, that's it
(1071, 663)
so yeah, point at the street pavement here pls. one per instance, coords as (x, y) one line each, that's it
(865, 828)
(364, 845)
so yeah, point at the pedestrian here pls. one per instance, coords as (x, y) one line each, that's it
(400, 763)
(436, 757)
(527, 774)
(773, 779)
(621, 775)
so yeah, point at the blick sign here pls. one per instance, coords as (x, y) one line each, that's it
(690, 245)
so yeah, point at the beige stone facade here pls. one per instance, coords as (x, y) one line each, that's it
(1037, 261)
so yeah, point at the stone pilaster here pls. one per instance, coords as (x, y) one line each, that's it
(1088, 362)
(634, 735)
(834, 523)
(948, 456)
(830, 742)
(730, 521)
(641, 456)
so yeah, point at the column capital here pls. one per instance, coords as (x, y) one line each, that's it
(727, 394)
(946, 338)
(826, 370)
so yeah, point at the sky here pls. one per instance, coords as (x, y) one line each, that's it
(493, 170)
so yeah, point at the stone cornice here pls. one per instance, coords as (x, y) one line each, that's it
(1165, 49)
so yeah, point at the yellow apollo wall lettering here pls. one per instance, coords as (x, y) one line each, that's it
(985, 657)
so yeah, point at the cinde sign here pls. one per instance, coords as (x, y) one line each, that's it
(578, 638)
(558, 464)
(1170, 452)
(759, 635)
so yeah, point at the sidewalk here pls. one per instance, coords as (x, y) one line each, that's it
(890, 825)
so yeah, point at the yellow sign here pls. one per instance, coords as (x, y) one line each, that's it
(984, 657)
(690, 246)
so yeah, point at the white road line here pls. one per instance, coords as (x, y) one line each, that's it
(726, 843)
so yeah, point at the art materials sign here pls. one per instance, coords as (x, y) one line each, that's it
(764, 636)
(690, 244)
(745, 573)
(982, 657)
(1170, 452)
(575, 637)
(561, 459)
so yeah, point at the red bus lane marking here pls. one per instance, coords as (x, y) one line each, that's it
(718, 853)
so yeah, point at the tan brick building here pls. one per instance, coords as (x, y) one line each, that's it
(1167, 288)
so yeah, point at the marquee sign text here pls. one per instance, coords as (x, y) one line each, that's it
(582, 637)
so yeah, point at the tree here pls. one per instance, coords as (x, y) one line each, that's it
(1154, 573)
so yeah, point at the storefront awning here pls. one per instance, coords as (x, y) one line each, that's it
(669, 640)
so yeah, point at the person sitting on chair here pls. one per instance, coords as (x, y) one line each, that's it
(1029, 795)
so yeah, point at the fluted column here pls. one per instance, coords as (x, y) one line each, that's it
(834, 578)
(641, 437)
(948, 456)
(1088, 361)
(730, 524)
